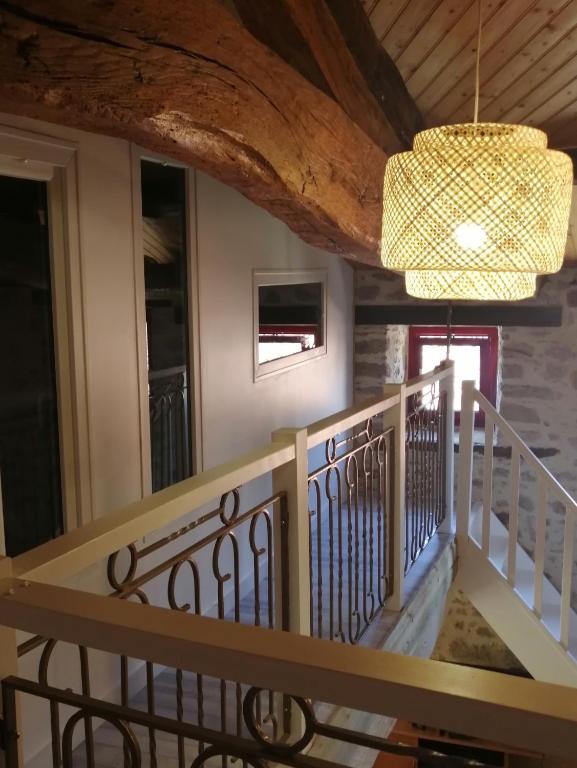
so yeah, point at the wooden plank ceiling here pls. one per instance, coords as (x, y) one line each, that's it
(528, 63)
(528, 59)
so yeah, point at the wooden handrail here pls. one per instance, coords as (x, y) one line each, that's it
(525, 451)
(517, 712)
(322, 430)
(326, 428)
(416, 384)
(67, 555)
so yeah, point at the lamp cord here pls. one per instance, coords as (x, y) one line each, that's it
(449, 328)
(477, 65)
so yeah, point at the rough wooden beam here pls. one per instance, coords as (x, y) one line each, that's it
(272, 24)
(339, 38)
(187, 80)
(378, 69)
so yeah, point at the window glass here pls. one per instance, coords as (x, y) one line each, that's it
(290, 320)
(166, 296)
(29, 438)
(467, 359)
(473, 349)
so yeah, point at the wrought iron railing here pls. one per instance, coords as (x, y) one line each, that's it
(256, 557)
(170, 451)
(425, 466)
(221, 564)
(350, 500)
(256, 743)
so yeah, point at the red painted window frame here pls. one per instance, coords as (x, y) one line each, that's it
(487, 341)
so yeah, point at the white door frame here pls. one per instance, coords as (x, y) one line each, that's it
(34, 156)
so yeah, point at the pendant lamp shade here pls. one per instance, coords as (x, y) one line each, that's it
(472, 200)
(483, 286)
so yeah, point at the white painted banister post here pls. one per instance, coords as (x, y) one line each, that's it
(447, 388)
(8, 667)
(396, 417)
(464, 495)
(294, 574)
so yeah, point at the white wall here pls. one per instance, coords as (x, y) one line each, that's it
(234, 237)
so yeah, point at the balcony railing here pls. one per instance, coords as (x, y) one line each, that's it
(169, 426)
(536, 560)
(309, 535)
(516, 712)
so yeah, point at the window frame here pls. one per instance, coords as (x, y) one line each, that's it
(284, 277)
(34, 156)
(138, 154)
(461, 336)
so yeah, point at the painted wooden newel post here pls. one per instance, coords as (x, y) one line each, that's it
(447, 389)
(464, 494)
(292, 588)
(294, 574)
(396, 417)
(8, 667)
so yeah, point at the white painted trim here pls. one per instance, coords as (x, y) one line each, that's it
(194, 321)
(518, 626)
(284, 277)
(140, 319)
(52, 160)
(30, 147)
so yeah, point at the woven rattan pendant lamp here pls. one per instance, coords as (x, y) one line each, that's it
(476, 210)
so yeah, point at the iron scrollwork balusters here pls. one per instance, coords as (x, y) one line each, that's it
(425, 492)
(168, 408)
(256, 749)
(350, 514)
(188, 579)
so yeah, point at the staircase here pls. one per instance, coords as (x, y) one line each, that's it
(506, 585)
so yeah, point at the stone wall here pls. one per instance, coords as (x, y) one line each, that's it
(466, 638)
(380, 350)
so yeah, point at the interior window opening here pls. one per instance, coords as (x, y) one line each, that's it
(290, 321)
(164, 223)
(474, 350)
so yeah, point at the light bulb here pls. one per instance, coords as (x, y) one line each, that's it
(470, 236)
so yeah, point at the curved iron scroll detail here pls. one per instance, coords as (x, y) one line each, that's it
(255, 748)
(133, 755)
(350, 503)
(222, 561)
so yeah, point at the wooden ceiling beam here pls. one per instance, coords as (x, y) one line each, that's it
(378, 69)
(189, 81)
(337, 36)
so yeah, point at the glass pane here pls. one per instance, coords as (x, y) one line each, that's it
(166, 292)
(29, 443)
(290, 319)
(467, 359)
